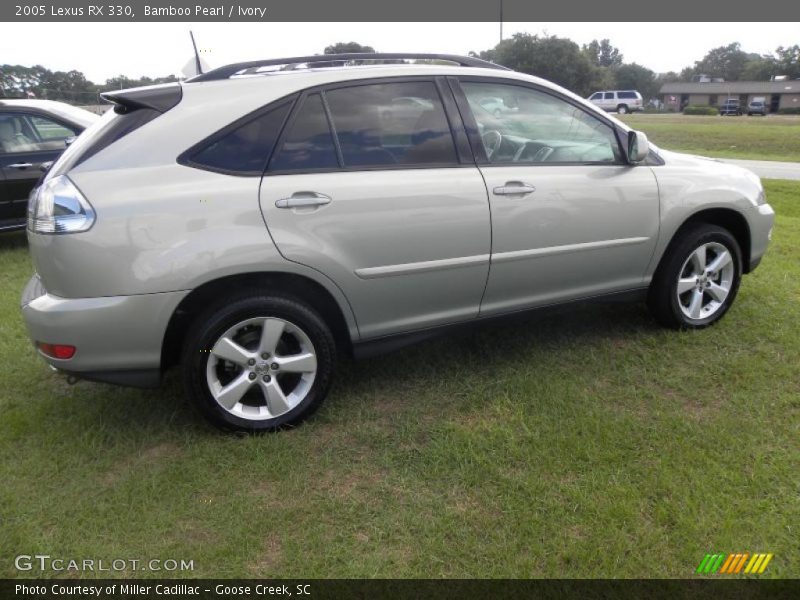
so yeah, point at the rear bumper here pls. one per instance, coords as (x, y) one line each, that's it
(118, 339)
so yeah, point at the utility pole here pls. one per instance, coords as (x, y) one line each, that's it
(501, 20)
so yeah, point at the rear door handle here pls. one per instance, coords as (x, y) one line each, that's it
(303, 199)
(20, 166)
(514, 188)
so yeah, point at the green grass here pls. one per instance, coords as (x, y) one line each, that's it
(589, 443)
(776, 137)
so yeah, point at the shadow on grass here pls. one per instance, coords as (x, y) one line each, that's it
(13, 240)
(481, 350)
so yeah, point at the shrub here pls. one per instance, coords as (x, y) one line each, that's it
(789, 110)
(701, 110)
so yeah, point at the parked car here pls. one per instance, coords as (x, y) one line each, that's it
(32, 133)
(757, 106)
(621, 101)
(496, 106)
(254, 228)
(730, 107)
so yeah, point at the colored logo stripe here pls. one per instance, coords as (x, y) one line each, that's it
(734, 563)
(758, 563)
(710, 563)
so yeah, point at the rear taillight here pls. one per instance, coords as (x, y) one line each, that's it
(59, 351)
(57, 206)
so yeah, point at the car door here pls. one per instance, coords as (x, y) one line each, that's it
(27, 140)
(393, 210)
(569, 218)
(609, 101)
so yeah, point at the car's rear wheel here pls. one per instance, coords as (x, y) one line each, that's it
(698, 278)
(258, 363)
(622, 109)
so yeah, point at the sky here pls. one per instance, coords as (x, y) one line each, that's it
(104, 50)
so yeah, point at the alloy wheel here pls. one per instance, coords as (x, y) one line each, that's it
(705, 281)
(261, 368)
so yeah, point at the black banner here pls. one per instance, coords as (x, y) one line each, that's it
(407, 10)
(387, 589)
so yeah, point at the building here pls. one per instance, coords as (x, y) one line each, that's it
(777, 94)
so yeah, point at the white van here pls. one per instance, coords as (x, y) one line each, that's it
(621, 101)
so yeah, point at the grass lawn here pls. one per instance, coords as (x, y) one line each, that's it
(776, 137)
(590, 443)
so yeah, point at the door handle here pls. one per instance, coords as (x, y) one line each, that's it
(20, 166)
(303, 199)
(514, 188)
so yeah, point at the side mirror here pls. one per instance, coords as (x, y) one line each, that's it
(69, 140)
(45, 166)
(638, 147)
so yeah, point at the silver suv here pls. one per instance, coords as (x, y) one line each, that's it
(264, 218)
(621, 101)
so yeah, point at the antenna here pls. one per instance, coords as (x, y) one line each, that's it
(196, 55)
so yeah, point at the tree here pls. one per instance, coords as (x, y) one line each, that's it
(347, 47)
(787, 61)
(603, 54)
(727, 62)
(558, 59)
(123, 82)
(636, 77)
(759, 68)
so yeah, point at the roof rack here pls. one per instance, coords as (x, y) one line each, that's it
(331, 60)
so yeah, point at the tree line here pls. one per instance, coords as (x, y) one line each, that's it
(584, 69)
(17, 81)
(600, 66)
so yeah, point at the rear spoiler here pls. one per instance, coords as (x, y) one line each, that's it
(160, 98)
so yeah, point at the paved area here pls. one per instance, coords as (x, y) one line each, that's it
(769, 169)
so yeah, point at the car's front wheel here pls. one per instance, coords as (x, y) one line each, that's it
(258, 363)
(698, 278)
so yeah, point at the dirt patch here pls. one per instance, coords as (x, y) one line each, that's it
(268, 495)
(269, 562)
(353, 483)
(154, 455)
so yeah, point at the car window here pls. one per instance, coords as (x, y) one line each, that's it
(247, 148)
(597, 96)
(540, 129)
(608, 96)
(626, 95)
(28, 133)
(308, 145)
(390, 124)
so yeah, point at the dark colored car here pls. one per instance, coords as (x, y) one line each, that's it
(32, 133)
(731, 107)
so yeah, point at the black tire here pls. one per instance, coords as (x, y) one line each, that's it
(662, 296)
(622, 109)
(209, 326)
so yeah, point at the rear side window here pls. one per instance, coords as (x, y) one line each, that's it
(608, 96)
(626, 95)
(384, 125)
(308, 144)
(246, 149)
